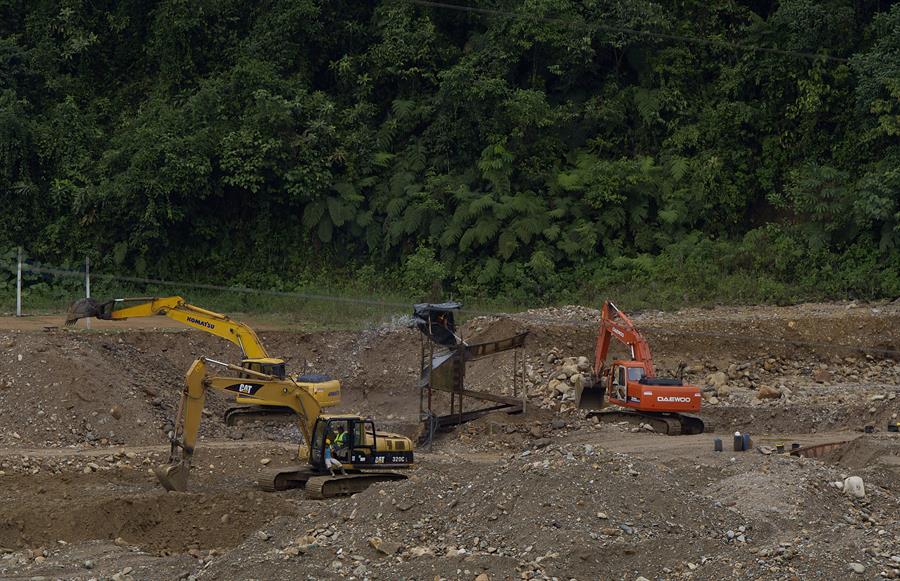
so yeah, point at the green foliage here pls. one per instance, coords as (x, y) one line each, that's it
(536, 157)
(423, 272)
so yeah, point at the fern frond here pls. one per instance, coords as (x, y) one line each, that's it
(402, 107)
(313, 213)
(490, 271)
(395, 207)
(335, 210)
(479, 205)
(486, 228)
(507, 244)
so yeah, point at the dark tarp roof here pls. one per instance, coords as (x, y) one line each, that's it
(436, 322)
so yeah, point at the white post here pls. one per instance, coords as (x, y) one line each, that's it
(87, 286)
(19, 285)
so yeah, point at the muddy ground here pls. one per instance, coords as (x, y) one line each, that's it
(545, 494)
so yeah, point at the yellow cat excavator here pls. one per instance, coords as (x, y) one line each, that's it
(326, 391)
(366, 456)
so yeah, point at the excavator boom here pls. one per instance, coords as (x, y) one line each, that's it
(175, 308)
(327, 391)
(615, 323)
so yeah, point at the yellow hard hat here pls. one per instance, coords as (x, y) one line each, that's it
(327, 441)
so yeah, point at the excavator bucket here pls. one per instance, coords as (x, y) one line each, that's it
(173, 477)
(590, 396)
(82, 309)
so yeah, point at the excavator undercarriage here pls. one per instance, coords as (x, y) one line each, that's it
(593, 399)
(670, 424)
(318, 485)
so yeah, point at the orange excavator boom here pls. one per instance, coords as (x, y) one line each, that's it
(615, 323)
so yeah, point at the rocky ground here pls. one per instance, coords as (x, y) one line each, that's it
(548, 494)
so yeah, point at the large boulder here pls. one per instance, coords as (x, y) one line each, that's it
(583, 364)
(853, 485)
(717, 379)
(562, 388)
(569, 370)
(578, 381)
(385, 547)
(765, 392)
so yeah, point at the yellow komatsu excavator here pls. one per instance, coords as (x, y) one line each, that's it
(365, 455)
(326, 391)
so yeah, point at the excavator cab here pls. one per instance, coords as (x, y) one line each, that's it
(268, 365)
(357, 445)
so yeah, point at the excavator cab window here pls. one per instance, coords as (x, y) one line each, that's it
(359, 435)
(619, 382)
(364, 442)
(635, 373)
(338, 433)
(276, 369)
(317, 446)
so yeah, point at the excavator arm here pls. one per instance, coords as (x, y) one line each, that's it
(615, 323)
(174, 474)
(177, 309)
(327, 392)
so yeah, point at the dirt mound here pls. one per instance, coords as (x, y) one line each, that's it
(508, 514)
(77, 507)
(106, 387)
(876, 456)
(805, 417)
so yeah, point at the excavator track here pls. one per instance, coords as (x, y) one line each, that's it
(343, 485)
(670, 424)
(693, 424)
(319, 485)
(284, 478)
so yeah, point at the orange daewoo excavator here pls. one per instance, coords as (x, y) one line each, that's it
(632, 384)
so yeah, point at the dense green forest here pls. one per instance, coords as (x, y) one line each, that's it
(550, 151)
